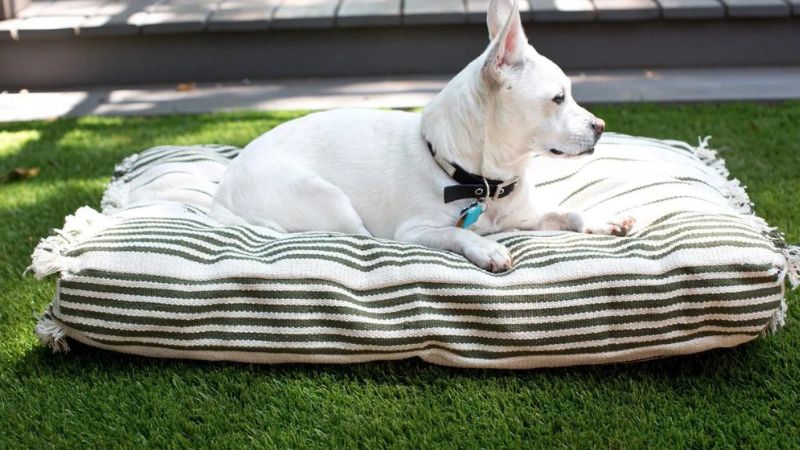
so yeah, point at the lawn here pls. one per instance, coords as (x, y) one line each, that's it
(746, 397)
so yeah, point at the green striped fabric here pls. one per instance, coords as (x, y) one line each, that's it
(154, 275)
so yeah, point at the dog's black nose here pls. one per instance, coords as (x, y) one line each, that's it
(598, 125)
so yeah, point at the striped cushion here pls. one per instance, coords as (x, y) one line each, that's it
(154, 275)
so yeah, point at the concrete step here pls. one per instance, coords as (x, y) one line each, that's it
(59, 18)
(68, 43)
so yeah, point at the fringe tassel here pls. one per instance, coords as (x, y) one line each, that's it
(125, 166)
(50, 256)
(116, 194)
(736, 193)
(738, 198)
(115, 197)
(52, 333)
(47, 257)
(792, 272)
(709, 156)
(778, 319)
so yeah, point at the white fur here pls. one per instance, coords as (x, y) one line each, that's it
(369, 172)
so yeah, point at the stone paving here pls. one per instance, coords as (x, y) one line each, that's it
(673, 85)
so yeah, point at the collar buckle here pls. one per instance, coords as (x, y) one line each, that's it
(471, 185)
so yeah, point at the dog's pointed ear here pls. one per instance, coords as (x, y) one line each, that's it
(508, 40)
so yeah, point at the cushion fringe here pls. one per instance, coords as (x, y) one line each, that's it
(115, 197)
(52, 333)
(736, 193)
(51, 254)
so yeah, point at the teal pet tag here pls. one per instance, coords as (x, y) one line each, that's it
(469, 215)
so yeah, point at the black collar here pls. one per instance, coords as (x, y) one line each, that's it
(471, 185)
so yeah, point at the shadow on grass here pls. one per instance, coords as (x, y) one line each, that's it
(726, 368)
(80, 152)
(82, 148)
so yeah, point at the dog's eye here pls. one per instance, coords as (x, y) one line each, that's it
(559, 99)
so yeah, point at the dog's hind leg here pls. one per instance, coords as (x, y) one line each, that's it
(324, 207)
(575, 221)
(285, 199)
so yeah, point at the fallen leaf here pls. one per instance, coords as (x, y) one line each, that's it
(20, 173)
(185, 87)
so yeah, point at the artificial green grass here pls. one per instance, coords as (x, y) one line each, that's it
(745, 397)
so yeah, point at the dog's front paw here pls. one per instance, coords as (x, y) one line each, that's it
(617, 226)
(489, 255)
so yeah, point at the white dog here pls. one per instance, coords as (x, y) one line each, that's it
(383, 173)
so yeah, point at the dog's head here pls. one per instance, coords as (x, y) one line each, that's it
(530, 92)
(508, 103)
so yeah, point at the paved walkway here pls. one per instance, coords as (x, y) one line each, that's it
(760, 84)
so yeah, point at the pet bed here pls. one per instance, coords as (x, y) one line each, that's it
(153, 275)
